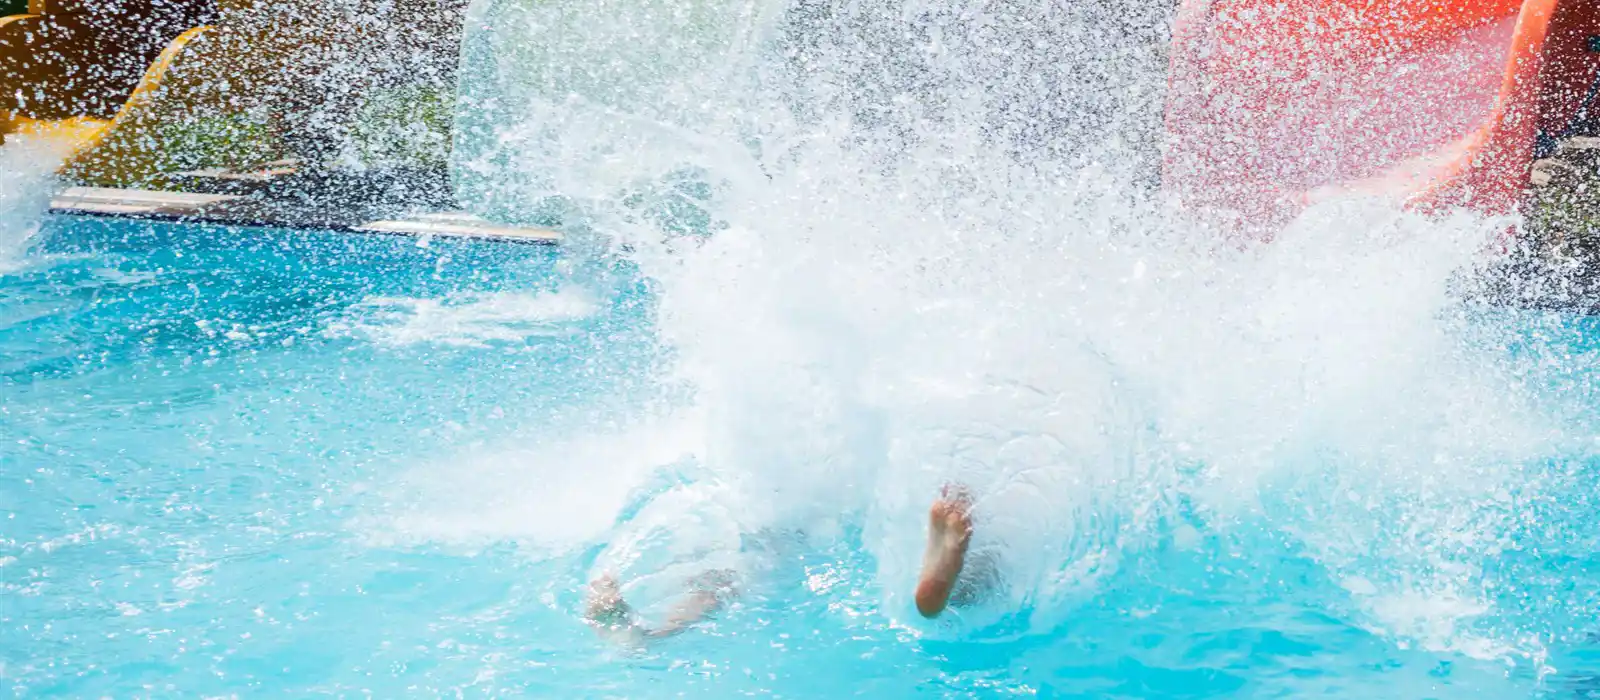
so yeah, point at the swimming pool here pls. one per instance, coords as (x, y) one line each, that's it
(274, 463)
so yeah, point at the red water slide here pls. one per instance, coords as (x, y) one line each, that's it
(1274, 104)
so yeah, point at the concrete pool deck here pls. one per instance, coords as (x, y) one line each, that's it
(248, 210)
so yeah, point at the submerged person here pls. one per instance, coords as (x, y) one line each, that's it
(606, 610)
(938, 586)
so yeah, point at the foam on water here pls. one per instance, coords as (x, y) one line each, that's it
(929, 266)
(542, 493)
(474, 320)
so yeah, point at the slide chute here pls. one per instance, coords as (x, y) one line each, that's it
(1275, 104)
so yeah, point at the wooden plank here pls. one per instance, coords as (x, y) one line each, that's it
(154, 198)
(458, 225)
(241, 210)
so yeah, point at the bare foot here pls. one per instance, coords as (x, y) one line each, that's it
(949, 533)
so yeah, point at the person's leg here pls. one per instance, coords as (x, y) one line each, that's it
(949, 534)
(606, 610)
(709, 592)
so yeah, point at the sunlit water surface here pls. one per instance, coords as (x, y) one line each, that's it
(295, 463)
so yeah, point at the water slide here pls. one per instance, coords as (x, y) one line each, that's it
(136, 91)
(74, 71)
(1274, 105)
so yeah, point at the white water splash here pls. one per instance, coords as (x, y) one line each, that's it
(27, 166)
(934, 260)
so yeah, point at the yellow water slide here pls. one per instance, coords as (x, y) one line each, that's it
(74, 70)
(140, 89)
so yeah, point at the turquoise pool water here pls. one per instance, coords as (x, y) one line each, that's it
(264, 463)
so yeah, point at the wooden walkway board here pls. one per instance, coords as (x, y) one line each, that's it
(241, 210)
